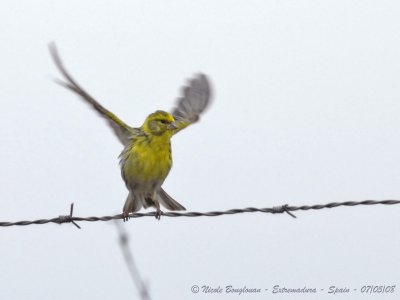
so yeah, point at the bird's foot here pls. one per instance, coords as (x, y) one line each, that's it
(158, 214)
(125, 217)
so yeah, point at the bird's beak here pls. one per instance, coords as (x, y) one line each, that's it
(172, 126)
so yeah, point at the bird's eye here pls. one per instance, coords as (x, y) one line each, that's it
(163, 121)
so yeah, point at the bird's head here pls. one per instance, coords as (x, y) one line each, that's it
(159, 123)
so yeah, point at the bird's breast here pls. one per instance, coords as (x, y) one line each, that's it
(147, 161)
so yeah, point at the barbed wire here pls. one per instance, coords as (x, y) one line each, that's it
(273, 210)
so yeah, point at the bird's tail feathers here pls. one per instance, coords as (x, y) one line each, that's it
(167, 201)
(132, 204)
(147, 202)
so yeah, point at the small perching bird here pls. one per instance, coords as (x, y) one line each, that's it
(146, 158)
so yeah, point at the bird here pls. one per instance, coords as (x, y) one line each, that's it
(146, 158)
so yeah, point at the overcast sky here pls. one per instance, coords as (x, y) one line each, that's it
(306, 111)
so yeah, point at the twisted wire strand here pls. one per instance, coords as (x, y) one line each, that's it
(273, 210)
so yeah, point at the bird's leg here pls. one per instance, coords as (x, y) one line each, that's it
(158, 213)
(158, 210)
(125, 216)
(157, 206)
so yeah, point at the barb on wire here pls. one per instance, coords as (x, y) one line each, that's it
(274, 210)
(281, 209)
(130, 263)
(68, 218)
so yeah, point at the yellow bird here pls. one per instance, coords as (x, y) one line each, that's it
(146, 158)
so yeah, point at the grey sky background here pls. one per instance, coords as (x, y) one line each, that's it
(306, 111)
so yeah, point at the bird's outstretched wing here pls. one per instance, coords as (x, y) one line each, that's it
(122, 130)
(196, 96)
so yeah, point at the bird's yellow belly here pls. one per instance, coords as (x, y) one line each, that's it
(147, 167)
